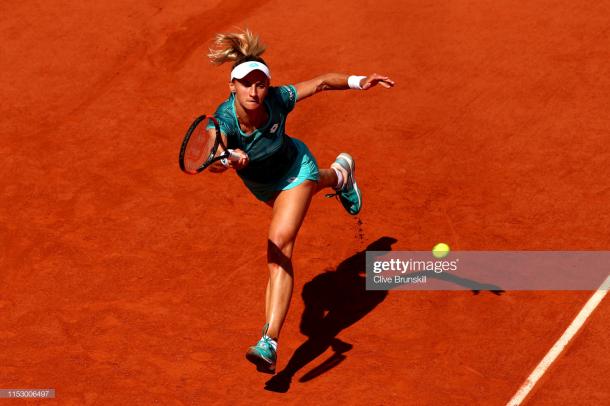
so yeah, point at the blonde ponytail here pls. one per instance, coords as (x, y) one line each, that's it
(235, 47)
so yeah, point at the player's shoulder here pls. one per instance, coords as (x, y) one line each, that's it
(224, 114)
(225, 108)
(283, 91)
(224, 111)
(285, 94)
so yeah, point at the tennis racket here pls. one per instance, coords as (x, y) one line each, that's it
(201, 148)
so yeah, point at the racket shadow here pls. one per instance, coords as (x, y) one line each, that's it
(334, 300)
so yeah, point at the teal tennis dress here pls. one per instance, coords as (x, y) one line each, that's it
(277, 162)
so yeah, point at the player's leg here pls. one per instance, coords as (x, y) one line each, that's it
(328, 178)
(289, 209)
(289, 212)
(341, 177)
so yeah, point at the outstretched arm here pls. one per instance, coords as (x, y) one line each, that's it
(338, 81)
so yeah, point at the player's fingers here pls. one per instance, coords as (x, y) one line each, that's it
(241, 155)
(370, 81)
(384, 81)
(243, 162)
(378, 77)
(387, 83)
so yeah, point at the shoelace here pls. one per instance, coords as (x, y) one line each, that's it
(337, 192)
(265, 342)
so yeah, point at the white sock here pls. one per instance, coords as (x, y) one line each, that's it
(339, 179)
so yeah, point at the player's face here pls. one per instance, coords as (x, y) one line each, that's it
(251, 90)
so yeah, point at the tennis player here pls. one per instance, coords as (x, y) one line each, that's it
(279, 170)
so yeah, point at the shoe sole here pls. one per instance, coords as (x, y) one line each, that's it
(352, 166)
(262, 365)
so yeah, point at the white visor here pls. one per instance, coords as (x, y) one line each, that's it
(241, 70)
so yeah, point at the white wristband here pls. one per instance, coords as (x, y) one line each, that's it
(354, 82)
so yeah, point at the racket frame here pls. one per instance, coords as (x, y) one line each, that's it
(218, 142)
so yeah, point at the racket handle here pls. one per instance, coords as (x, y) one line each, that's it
(232, 157)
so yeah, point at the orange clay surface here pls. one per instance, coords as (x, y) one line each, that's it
(125, 282)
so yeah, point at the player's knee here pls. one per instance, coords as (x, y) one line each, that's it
(279, 253)
(280, 243)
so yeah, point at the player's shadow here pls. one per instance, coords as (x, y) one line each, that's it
(334, 300)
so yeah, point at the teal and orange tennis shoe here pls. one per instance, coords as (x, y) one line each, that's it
(264, 353)
(349, 195)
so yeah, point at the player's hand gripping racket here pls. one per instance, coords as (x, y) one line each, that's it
(201, 147)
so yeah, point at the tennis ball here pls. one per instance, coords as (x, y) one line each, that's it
(440, 250)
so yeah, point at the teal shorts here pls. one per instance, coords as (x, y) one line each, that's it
(304, 168)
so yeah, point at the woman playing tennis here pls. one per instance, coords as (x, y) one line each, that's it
(279, 170)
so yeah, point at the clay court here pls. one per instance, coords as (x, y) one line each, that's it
(127, 282)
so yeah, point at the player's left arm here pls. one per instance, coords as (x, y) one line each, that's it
(338, 81)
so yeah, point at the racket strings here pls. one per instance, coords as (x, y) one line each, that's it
(198, 149)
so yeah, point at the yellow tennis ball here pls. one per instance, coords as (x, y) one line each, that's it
(440, 250)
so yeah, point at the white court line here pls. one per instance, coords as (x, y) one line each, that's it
(563, 341)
